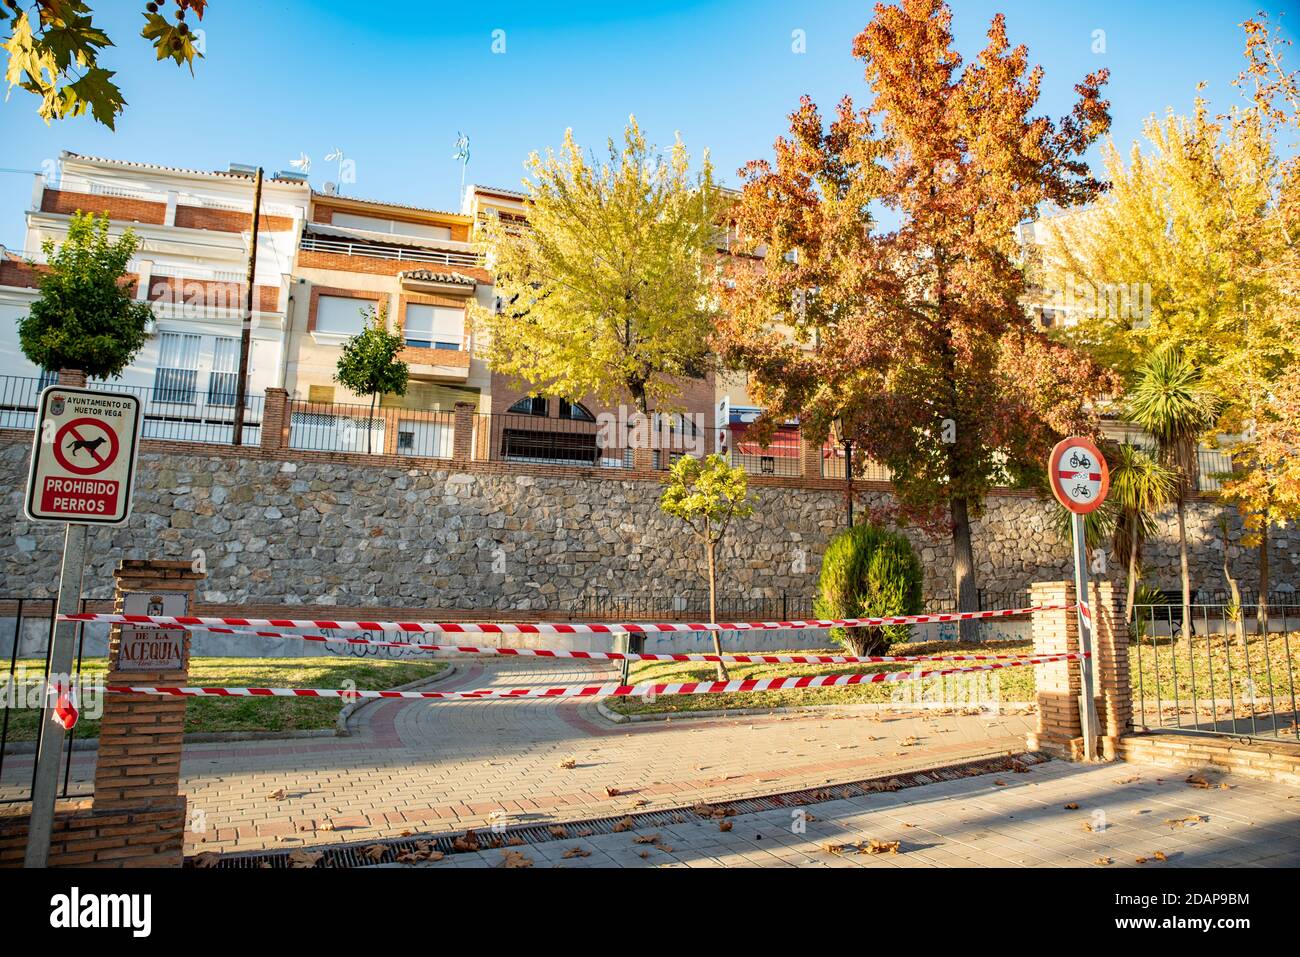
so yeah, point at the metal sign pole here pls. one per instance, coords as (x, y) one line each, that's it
(63, 639)
(1087, 706)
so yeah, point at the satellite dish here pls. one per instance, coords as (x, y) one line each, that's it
(331, 189)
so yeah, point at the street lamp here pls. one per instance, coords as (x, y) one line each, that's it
(840, 433)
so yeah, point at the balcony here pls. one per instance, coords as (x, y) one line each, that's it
(445, 358)
(342, 247)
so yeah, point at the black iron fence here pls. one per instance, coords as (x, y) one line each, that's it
(1229, 669)
(341, 427)
(693, 605)
(25, 628)
(171, 410)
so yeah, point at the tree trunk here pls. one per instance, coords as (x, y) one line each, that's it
(1239, 617)
(848, 479)
(1261, 610)
(1182, 569)
(710, 546)
(963, 566)
(1131, 595)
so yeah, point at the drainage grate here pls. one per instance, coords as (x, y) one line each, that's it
(359, 854)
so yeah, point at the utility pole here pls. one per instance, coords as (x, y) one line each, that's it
(246, 333)
(49, 746)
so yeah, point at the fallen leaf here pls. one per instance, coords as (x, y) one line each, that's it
(466, 842)
(277, 795)
(1072, 806)
(1103, 861)
(576, 852)
(724, 825)
(207, 859)
(376, 851)
(557, 830)
(568, 764)
(515, 859)
(1197, 781)
(624, 825)
(304, 859)
(882, 847)
(646, 839)
(612, 792)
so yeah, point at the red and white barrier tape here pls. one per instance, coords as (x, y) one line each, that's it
(597, 655)
(591, 691)
(557, 628)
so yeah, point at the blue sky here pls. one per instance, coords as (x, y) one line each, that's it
(392, 87)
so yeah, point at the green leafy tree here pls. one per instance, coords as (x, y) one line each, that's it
(869, 572)
(53, 51)
(606, 291)
(369, 363)
(87, 316)
(1173, 403)
(708, 494)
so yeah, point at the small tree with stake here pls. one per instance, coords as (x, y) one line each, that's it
(707, 494)
(369, 364)
(86, 316)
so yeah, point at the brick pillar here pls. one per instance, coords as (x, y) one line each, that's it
(462, 445)
(275, 416)
(1059, 729)
(139, 763)
(810, 458)
(643, 460)
(72, 377)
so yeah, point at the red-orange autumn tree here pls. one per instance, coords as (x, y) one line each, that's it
(914, 337)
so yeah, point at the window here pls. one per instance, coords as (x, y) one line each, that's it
(530, 405)
(433, 327)
(178, 367)
(225, 371)
(576, 411)
(395, 227)
(341, 315)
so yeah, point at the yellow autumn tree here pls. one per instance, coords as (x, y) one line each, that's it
(1184, 247)
(606, 292)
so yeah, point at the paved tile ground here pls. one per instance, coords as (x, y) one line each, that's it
(419, 766)
(994, 820)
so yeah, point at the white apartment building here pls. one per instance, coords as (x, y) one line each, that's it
(194, 228)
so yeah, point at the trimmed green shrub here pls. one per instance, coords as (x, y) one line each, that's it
(869, 572)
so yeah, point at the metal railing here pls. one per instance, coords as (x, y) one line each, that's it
(781, 455)
(25, 626)
(693, 605)
(344, 247)
(345, 427)
(1234, 673)
(833, 466)
(540, 440)
(177, 411)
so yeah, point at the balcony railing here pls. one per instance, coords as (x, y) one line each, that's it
(343, 247)
(166, 416)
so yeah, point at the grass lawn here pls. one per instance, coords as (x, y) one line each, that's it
(1007, 685)
(1214, 664)
(253, 714)
(1157, 673)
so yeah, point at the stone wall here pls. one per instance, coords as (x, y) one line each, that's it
(312, 529)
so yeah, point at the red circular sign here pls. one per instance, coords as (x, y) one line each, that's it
(79, 446)
(1079, 474)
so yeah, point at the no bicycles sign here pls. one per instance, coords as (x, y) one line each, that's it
(1079, 475)
(83, 457)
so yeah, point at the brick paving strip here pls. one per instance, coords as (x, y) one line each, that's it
(416, 766)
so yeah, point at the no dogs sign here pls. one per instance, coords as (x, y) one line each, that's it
(83, 457)
(1079, 474)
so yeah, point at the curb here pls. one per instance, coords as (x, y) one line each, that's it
(348, 710)
(860, 708)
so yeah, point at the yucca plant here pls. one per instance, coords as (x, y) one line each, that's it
(1139, 487)
(1172, 402)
